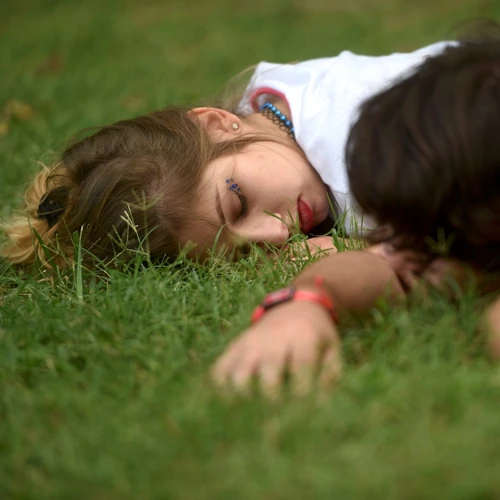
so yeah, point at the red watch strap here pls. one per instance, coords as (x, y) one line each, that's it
(289, 294)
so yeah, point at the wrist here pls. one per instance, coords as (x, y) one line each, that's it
(312, 294)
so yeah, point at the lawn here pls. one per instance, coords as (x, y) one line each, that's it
(104, 392)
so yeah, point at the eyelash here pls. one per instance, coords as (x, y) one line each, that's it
(244, 203)
(234, 188)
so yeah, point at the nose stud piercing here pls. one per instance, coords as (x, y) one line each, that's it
(235, 126)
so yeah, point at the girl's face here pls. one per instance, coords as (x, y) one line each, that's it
(263, 194)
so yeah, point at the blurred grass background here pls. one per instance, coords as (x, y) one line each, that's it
(81, 64)
(106, 396)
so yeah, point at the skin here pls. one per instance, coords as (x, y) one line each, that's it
(254, 194)
(300, 339)
(491, 325)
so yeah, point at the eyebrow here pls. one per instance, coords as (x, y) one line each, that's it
(218, 207)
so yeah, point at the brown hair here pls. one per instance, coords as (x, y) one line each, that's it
(424, 156)
(129, 185)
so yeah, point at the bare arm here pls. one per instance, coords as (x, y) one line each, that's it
(353, 280)
(298, 338)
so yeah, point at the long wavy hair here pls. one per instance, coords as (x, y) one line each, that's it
(128, 185)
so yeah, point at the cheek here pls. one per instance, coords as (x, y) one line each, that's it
(200, 241)
(198, 237)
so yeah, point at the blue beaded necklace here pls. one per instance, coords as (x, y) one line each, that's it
(273, 113)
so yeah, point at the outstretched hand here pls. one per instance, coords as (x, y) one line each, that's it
(297, 341)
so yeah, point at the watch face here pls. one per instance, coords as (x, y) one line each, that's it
(278, 297)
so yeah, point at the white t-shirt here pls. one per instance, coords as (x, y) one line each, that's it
(324, 96)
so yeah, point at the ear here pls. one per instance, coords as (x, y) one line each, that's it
(219, 123)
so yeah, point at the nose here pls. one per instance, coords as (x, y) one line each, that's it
(266, 228)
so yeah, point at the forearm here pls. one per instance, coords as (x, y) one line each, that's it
(354, 280)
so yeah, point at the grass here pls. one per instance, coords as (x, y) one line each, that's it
(104, 391)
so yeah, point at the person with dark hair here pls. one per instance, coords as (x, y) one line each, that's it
(256, 171)
(423, 161)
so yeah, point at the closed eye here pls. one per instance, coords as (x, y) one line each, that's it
(244, 203)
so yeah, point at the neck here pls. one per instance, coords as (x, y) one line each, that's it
(263, 125)
(278, 117)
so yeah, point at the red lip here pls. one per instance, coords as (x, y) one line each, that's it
(305, 216)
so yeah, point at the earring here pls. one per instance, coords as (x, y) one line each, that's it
(235, 126)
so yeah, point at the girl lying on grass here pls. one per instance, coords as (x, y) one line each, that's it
(250, 173)
(424, 161)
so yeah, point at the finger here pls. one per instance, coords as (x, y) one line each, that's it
(401, 260)
(222, 368)
(302, 379)
(271, 377)
(218, 372)
(302, 368)
(243, 375)
(331, 367)
(407, 279)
